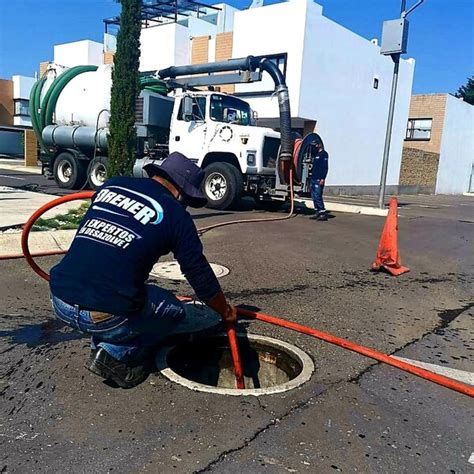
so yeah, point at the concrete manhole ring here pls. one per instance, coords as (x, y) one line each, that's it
(205, 365)
(172, 271)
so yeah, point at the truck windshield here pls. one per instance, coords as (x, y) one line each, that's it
(229, 109)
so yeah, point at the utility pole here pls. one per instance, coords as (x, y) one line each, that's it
(394, 44)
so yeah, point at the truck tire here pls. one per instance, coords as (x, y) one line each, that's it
(68, 171)
(97, 171)
(222, 185)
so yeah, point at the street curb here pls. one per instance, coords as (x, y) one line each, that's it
(10, 244)
(18, 167)
(349, 208)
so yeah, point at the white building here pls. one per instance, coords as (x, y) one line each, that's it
(438, 153)
(21, 97)
(339, 82)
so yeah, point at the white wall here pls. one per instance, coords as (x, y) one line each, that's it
(22, 121)
(79, 53)
(274, 29)
(163, 46)
(198, 27)
(22, 86)
(225, 18)
(457, 148)
(337, 91)
(330, 76)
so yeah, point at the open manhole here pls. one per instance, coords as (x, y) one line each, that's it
(172, 271)
(205, 365)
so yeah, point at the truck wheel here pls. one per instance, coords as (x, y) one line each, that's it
(97, 171)
(68, 171)
(222, 186)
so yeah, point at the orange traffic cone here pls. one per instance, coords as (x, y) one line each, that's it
(388, 257)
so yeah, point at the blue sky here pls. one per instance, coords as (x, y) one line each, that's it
(441, 32)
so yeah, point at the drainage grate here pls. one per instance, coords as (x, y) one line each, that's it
(172, 271)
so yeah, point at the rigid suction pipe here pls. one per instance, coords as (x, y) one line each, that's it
(250, 63)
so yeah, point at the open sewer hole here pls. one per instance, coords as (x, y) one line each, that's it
(269, 365)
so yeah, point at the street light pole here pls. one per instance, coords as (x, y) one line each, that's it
(388, 133)
(395, 53)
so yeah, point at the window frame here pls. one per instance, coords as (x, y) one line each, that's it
(195, 99)
(410, 130)
(22, 103)
(238, 99)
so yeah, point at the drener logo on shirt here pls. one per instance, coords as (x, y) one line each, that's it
(148, 212)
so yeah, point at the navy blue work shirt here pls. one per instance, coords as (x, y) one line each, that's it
(320, 166)
(131, 223)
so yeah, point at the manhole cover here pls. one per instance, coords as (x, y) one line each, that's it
(205, 364)
(172, 271)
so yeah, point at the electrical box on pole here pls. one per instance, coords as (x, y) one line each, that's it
(394, 37)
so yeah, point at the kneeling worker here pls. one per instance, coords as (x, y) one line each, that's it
(99, 286)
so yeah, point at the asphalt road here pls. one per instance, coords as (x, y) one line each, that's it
(30, 182)
(354, 415)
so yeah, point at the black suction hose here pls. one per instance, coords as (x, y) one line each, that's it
(286, 149)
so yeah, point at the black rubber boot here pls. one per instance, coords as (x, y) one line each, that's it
(101, 363)
(319, 216)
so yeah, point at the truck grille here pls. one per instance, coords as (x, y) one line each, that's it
(271, 146)
(139, 110)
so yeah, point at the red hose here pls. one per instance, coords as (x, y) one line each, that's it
(365, 351)
(29, 224)
(234, 350)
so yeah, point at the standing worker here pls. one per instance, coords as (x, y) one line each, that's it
(99, 286)
(318, 177)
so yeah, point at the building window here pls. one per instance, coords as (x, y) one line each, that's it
(22, 107)
(419, 129)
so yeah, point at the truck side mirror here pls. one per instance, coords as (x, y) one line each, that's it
(187, 108)
(254, 117)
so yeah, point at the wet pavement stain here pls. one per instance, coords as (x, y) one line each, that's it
(449, 315)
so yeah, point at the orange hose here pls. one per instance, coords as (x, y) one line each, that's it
(234, 350)
(365, 351)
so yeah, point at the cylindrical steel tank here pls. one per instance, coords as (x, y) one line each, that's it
(83, 98)
(75, 136)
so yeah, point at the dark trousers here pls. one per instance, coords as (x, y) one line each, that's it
(317, 196)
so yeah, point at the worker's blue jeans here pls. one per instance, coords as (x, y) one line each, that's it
(128, 338)
(317, 196)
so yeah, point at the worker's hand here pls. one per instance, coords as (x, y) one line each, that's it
(219, 304)
(321, 182)
(230, 315)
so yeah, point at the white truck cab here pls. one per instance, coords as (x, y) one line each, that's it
(218, 131)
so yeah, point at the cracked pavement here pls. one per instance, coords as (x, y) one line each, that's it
(354, 415)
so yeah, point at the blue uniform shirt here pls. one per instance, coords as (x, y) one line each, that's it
(320, 166)
(130, 224)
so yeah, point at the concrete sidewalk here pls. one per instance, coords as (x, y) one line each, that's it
(16, 206)
(10, 243)
(344, 207)
(18, 165)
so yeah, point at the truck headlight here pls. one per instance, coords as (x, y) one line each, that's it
(251, 159)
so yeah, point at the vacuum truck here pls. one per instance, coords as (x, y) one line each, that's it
(218, 131)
